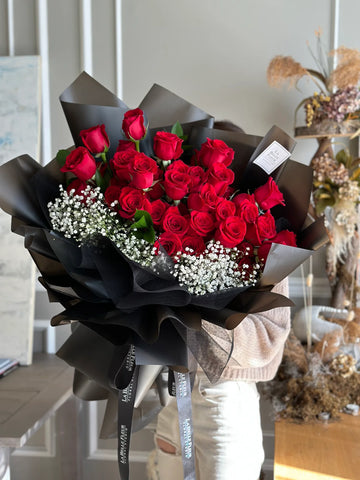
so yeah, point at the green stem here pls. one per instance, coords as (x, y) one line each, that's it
(137, 145)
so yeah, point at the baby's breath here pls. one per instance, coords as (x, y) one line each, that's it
(86, 217)
(216, 269)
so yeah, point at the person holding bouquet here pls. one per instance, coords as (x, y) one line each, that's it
(226, 415)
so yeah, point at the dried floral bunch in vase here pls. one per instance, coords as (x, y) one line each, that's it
(334, 108)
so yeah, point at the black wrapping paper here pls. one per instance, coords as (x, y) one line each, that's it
(118, 305)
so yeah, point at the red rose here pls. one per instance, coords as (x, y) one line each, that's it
(263, 252)
(158, 209)
(266, 226)
(95, 139)
(143, 170)
(176, 184)
(231, 232)
(167, 146)
(224, 208)
(80, 163)
(246, 249)
(197, 175)
(156, 191)
(269, 195)
(193, 245)
(202, 223)
(285, 237)
(133, 124)
(246, 267)
(252, 234)
(246, 207)
(121, 164)
(112, 195)
(204, 201)
(220, 177)
(126, 145)
(130, 200)
(77, 186)
(170, 242)
(215, 151)
(174, 222)
(179, 166)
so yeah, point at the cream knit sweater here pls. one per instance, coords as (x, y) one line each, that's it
(259, 343)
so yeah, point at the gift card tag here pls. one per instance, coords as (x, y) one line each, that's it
(272, 157)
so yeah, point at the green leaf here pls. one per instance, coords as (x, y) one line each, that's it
(143, 226)
(343, 157)
(177, 129)
(61, 157)
(102, 181)
(149, 235)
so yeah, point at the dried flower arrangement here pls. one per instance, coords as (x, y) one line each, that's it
(335, 109)
(320, 377)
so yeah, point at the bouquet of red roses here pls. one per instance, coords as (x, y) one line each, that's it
(143, 235)
(215, 236)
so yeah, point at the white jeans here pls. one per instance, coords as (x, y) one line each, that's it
(227, 433)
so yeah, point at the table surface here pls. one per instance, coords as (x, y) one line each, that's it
(29, 395)
(329, 451)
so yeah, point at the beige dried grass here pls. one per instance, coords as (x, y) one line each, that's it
(347, 72)
(284, 69)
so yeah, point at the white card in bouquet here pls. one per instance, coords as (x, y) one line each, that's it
(19, 134)
(272, 157)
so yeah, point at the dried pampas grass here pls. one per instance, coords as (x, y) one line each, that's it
(284, 69)
(347, 72)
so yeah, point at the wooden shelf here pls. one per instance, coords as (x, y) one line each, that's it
(318, 451)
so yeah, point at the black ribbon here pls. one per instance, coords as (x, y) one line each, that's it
(183, 399)
(126, 401)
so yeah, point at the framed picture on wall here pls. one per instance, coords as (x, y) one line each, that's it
(19, 133)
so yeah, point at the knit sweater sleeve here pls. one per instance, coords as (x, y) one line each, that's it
(260, 337)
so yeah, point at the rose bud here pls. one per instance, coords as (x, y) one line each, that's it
(202, 223)
(80, 163)
(126, 145)
(193, 245)
(285, 237)
(158, 209)
(167, 146)
(95, 139)
(179, 166)
(215, 151)
(205, 201)
(263, 251)
(246, 207)
(252, 234)
(231, 232)
(133, 124)
(266, 226)
(197, 175)
(132, 199)
(112, 195)
(220, 177)
(175, 223)
(121, 164)
(176, 184)
(224, 208)
(170, 242)
(268, 195)
(77, 186)
(143, 169)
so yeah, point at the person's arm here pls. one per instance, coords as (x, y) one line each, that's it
(261, 336)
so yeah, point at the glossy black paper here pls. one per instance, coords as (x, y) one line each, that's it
(116, 302)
